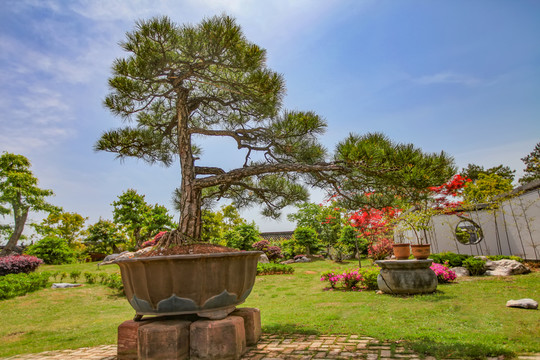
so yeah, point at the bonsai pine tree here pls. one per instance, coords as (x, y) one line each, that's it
(181, 83)
(19, 194)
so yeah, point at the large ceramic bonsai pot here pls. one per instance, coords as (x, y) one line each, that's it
(209, 285)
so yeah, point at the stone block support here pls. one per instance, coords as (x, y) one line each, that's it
(252, 324)
(127, 339)
(167, 340)
(218, 339)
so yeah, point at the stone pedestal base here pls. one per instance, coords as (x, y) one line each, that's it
(186, 337)
(406, 276)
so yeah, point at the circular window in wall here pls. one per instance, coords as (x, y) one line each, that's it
(468, 232)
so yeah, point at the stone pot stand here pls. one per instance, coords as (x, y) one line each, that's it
(406, 276)
(193, 299)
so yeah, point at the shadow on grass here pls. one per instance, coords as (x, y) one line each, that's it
(456, 349)
(289, 329)
(436, 296)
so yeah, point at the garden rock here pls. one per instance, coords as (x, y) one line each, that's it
(123, 255)
(64, 285)
(302, 259)
(523, 303)
(287, 262)
(460, 271)
(264, 259)
(505, 268)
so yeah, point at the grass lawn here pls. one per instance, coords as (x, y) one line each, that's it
(464, 320)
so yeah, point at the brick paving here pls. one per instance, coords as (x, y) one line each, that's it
(277, 347)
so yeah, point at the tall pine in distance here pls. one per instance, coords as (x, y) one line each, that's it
(532, 166)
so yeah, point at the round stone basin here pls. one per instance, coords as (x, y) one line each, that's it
(406, 276)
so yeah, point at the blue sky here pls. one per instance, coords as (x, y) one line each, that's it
(460, 76)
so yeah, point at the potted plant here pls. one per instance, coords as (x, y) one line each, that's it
(418, 221)
(180, 84)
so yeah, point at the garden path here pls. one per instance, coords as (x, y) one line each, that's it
(277, 347)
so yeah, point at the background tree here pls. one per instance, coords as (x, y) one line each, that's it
(141, 220)
(473, 171)
(217, 223)
(307, 238)
(184, 82)
(532, 166)
(104, 237)
(19, 194)
(65, 225)
(485, 189)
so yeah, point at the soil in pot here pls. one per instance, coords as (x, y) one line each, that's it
(195, 248)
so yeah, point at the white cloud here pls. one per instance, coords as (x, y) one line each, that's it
(448, 78)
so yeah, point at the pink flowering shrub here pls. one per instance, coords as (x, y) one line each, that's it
(15, 264)
(352, 279)
(444, 274)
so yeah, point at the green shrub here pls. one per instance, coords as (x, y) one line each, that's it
(273, 268)
(52, 250)
(90, 277)
(475, 266)
(114, 281)
(242, 237)
(13, 285)
(75, 274)
(369, 277)
(504, 257)
(453, 259)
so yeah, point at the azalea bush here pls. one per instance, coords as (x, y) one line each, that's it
(15, 264)
(352, 279)
(444, 274)
(380, 249)
(272, 252)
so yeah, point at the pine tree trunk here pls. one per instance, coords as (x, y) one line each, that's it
(190, 200)
(20, 220)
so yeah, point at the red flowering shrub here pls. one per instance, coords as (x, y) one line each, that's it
(155, 240)
(272, 252)
(15, 264)
(149, 243)
(380, 249)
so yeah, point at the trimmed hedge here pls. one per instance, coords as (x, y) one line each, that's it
(13, 285)
(15, 264)
(273, 268)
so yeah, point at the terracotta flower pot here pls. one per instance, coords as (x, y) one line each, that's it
(421, 252)
(209, 285)
(401, 251)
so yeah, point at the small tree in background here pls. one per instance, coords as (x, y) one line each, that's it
(307, 238)
(65, 225)
(19, 194)
(104, 237)
(140, 219)
(485, 189)
(532, 166)
(473, 171)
